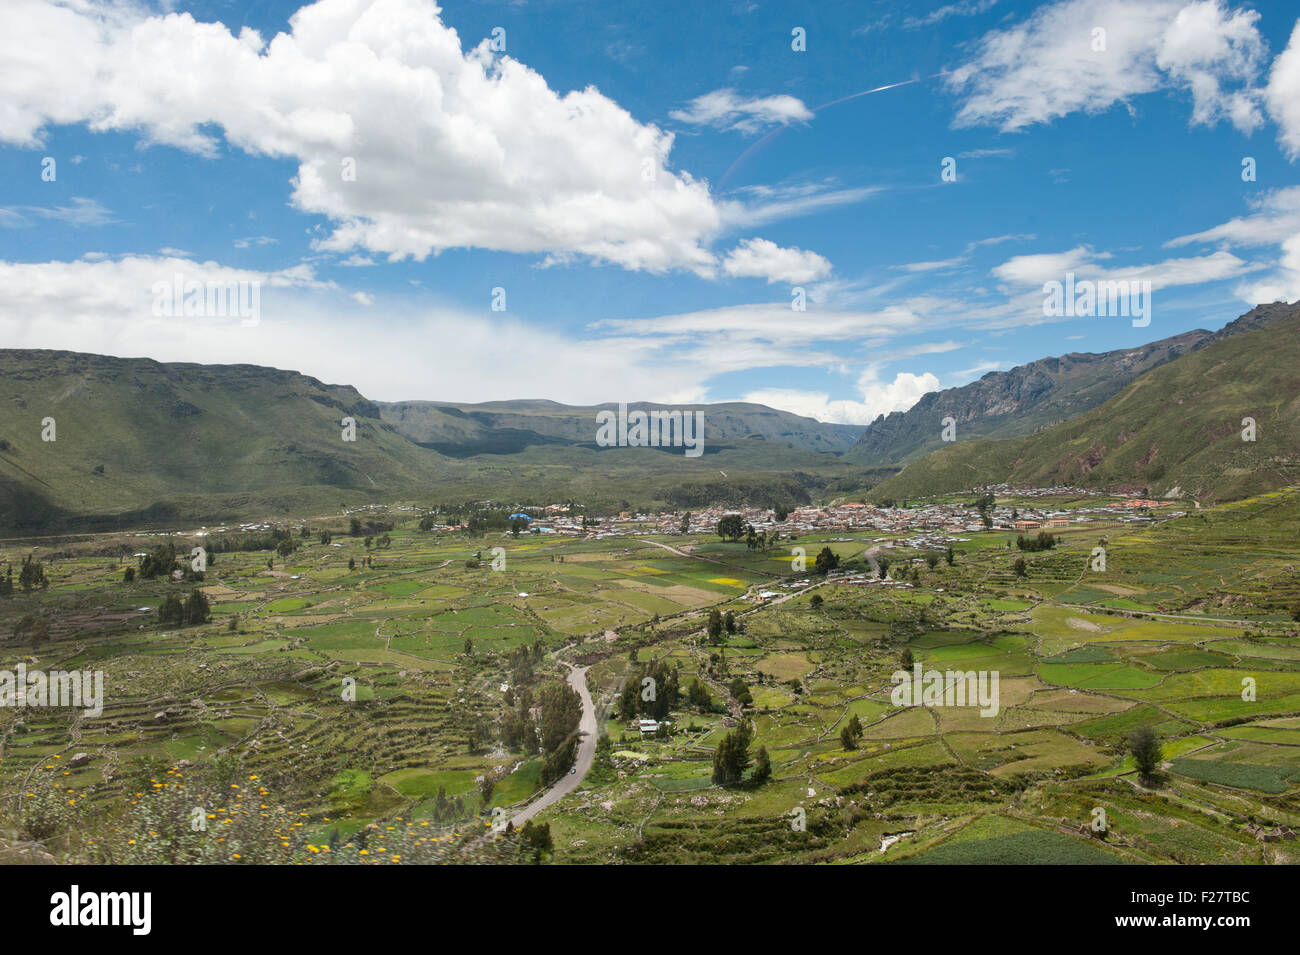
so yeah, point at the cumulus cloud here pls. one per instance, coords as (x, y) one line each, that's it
(759, 258)
(1282, 96)
(877, 398)
(725, 109)
(1056, 62)
(105, 305)
(451, 146)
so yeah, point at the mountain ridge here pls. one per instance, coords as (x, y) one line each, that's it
(1178, 430)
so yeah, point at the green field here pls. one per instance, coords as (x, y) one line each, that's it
(377, 697)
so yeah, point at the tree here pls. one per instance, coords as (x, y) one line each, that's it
(469, 647)
(354, 527)
(197, 609)
(762, 766)
(561, 712)
(40, 632)
(697, 694)
(1146, 750)
(1019, 567)
(37, 629)
(816, 602)
(686, 523)
(23, 627)
(827, 560)
(715, 625)
(949, 556)
(731, 758)
(160, 562)
(1295, 612)
(535, 839)
(731, 526)
(729, 621)
(931, 560)
(906, 658)
(851, 733)
(172, 612)
(741, 692)
(128, 575)
(32, 575)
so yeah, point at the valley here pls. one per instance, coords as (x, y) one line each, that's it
(394, 694)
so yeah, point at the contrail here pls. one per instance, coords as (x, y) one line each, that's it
(817, 109)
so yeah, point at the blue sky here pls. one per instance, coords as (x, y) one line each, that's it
(648, 184)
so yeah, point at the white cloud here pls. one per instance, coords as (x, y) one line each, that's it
(1282, 97)
(80, 212)
(759, 258)
(931, 266)
(877, 398)
(966, 8)
(1032, 271)
(255, 240)
(1049, 66)
(725, 109)
(1280, 285)
(986, 154)
(453, 147)
(1274, 222)
(1276, 218)
(104, 305)
(1205, 46)
(765, 204)
(773, 323)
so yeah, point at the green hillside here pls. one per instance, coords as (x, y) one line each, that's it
(1017, 402)
(141, 441)
(1176, 430)
(134, 435)
(504, 427)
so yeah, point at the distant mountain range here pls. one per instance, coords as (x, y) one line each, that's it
(1178, 429)
(507, 427)
(1008, 404)
(139, 441)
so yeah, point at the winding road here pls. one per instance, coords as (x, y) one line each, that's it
(586, 752)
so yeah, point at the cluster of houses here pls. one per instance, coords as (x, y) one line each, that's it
(942, 518)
